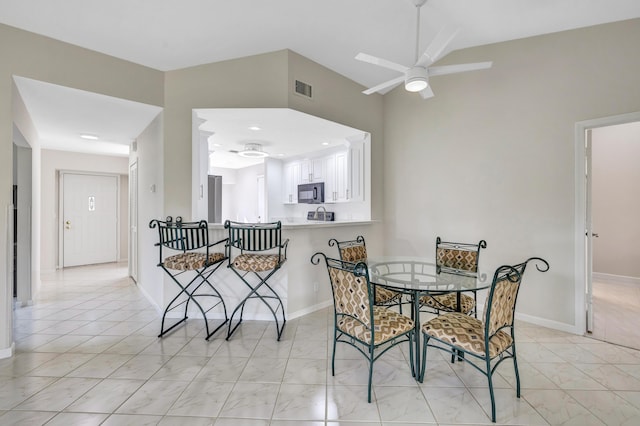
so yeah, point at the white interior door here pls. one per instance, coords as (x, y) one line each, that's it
(133, 221)
(588, 235)
(90, 219)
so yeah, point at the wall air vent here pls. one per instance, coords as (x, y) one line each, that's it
(134, 146)
(303, 89)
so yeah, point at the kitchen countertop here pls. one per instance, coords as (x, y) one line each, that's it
(303, 223)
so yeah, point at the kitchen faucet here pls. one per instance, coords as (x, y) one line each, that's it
(324, 216)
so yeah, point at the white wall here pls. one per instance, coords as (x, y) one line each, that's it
(52, 163)
(41, 58)
(616, 199)
(149, 156)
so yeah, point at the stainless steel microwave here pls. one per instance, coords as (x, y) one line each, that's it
(311, 193)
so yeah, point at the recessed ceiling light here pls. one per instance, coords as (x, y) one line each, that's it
(89, 137)
(254, 128)
(325, 143)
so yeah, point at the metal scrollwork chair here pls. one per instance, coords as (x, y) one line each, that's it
(455, 258)
(371, 329)
(487, 340)
(261, 253)
(191, 242)
(356, 251)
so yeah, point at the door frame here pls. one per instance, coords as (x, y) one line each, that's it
(133, 221)
(61, 174)
(582, 244)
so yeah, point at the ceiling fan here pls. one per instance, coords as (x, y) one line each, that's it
(416, 77)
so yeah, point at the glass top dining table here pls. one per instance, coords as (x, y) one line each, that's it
(416, 276)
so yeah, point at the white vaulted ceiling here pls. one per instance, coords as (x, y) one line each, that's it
(170, 34)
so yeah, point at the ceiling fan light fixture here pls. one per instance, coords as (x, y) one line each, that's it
(253, 150)
(416, 79)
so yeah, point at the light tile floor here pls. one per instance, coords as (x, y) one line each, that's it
(87, 354)
(616, 313)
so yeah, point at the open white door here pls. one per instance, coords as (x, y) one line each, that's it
(588, 235)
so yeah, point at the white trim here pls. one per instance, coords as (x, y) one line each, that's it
(149, 299)
(8, 352)
(311, 309)
(555, 325)
(580, 208)
(618, 279)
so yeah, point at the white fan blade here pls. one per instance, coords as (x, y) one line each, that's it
(437, 46)
(426, 93)
(386, 85)
(381, 62)
(452, 69)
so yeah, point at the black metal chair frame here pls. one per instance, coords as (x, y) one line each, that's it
(185, 237)
(449, 245)
(367, 348)
(258, 238)
(396, 300)
(483, 362)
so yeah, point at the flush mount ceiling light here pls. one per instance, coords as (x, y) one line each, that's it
(416, 77)
(253, 150)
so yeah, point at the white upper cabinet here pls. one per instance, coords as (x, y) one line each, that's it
(312, 170)
(356, 172)
(342, 172)
(336, 188)
(291, 180)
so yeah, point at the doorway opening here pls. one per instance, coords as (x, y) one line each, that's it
(607, 290)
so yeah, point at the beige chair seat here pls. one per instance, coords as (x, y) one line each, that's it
(448, 302)
(463, 331)
(191, 261)
(257, 262)
(387, 325)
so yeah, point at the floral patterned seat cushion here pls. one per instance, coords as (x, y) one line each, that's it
(191, 261)
(387, 325)
(257, 262)
(447, 302)
(465, 332)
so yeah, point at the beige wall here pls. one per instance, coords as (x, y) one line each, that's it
(52, 163)
(256, 82)
(616, 199)
(29, 55)
(492, 155)
(266, 81)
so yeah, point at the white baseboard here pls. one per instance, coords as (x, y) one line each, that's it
(555, 325)
(618, 279)
(8, 352)
(146, 296)
(310, 309)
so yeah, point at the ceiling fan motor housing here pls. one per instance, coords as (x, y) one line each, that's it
(416, 79)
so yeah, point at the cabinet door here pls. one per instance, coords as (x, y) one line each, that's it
(342, 176)
(356, 172)
(330, 194)
(291, 182)
(312, 170)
